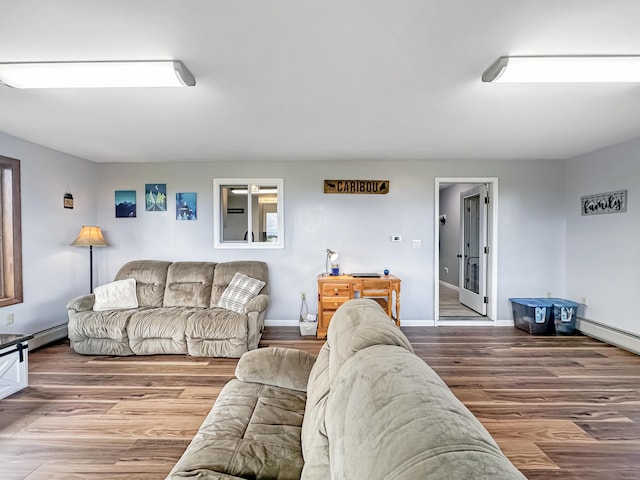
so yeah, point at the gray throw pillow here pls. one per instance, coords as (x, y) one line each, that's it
(240, 291)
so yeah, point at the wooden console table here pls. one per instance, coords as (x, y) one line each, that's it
(333, 291)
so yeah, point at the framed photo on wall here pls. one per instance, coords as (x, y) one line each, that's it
(186, 206)
(125, 202)
(155, 197)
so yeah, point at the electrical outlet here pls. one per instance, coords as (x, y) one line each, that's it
(446, 269)
(10, 319)
(304, 295)
(583, 300)
(396, 238)
(416, 243)
(548, 294)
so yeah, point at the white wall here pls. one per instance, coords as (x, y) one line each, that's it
(603, 258)
(531, 238)
(53, 272)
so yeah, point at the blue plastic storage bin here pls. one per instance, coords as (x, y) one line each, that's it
(532, 315)
(563, 315)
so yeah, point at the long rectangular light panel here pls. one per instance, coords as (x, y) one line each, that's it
(165, 73)
(564, 69)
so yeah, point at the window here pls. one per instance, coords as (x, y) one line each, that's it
(248, 213)
(10, 232)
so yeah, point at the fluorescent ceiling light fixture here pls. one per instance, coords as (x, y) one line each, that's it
(164, 73)
(564, 69)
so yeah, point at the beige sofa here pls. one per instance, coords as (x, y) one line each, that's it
(365, 408)
(177, 312)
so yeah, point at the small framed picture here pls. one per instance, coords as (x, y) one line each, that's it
(155, 197)
(125, 203)
(186, 206)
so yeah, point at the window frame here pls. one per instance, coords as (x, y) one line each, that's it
(218, 216)
(11, 291)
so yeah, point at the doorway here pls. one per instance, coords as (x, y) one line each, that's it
(465, 251)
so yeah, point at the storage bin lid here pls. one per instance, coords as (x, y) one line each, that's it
(561, 302)
(533, 302)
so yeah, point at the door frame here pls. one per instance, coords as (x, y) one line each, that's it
(492, 260)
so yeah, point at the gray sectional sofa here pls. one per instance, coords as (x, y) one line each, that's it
(365, 408)
(177, 312)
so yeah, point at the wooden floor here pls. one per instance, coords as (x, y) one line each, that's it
(450, 305)
(560, 407)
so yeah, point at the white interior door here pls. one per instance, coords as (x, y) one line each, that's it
(473, 248)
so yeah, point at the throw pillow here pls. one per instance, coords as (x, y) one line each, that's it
(117, 295)
(240, 292)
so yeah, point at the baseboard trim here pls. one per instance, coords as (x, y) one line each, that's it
(605, 333)
(281, 323)
(47, 336)
(449, 285)
(417, 323)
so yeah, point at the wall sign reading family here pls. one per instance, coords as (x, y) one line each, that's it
(357, 186)
(610, 202)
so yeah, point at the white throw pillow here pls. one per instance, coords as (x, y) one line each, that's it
(117, 295)
(239, 292)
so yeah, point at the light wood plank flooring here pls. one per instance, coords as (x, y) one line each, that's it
(560, 407)
(450, 305)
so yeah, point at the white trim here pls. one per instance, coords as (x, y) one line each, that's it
(281, 323)
(217, 220)
(492, 264)
(505, 323)
(457, 322)
(608, 334)
(413, 323)
(47, 336)
(449, 285)
(417, 323)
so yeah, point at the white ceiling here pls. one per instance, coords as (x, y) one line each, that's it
(321, 80)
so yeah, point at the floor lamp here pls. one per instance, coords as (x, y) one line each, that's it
(90, 236)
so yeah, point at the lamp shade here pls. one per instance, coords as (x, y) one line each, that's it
(89, 236)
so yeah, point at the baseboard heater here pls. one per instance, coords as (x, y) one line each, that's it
(47, 336)
(607, 334)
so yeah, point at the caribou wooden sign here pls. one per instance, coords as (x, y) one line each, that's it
(372, 187)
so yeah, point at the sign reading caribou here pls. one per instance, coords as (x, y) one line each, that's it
(357, 186)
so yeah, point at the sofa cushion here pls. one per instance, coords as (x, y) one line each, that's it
(216, 332)
(159, 330)
(118, 295)
(315, 445)
(150, 276)
(189, 284)
(100, 333)
(277, 366)
(357, 325)
(226, 270)
(240, 291)
(389, 415)
(252, 431)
